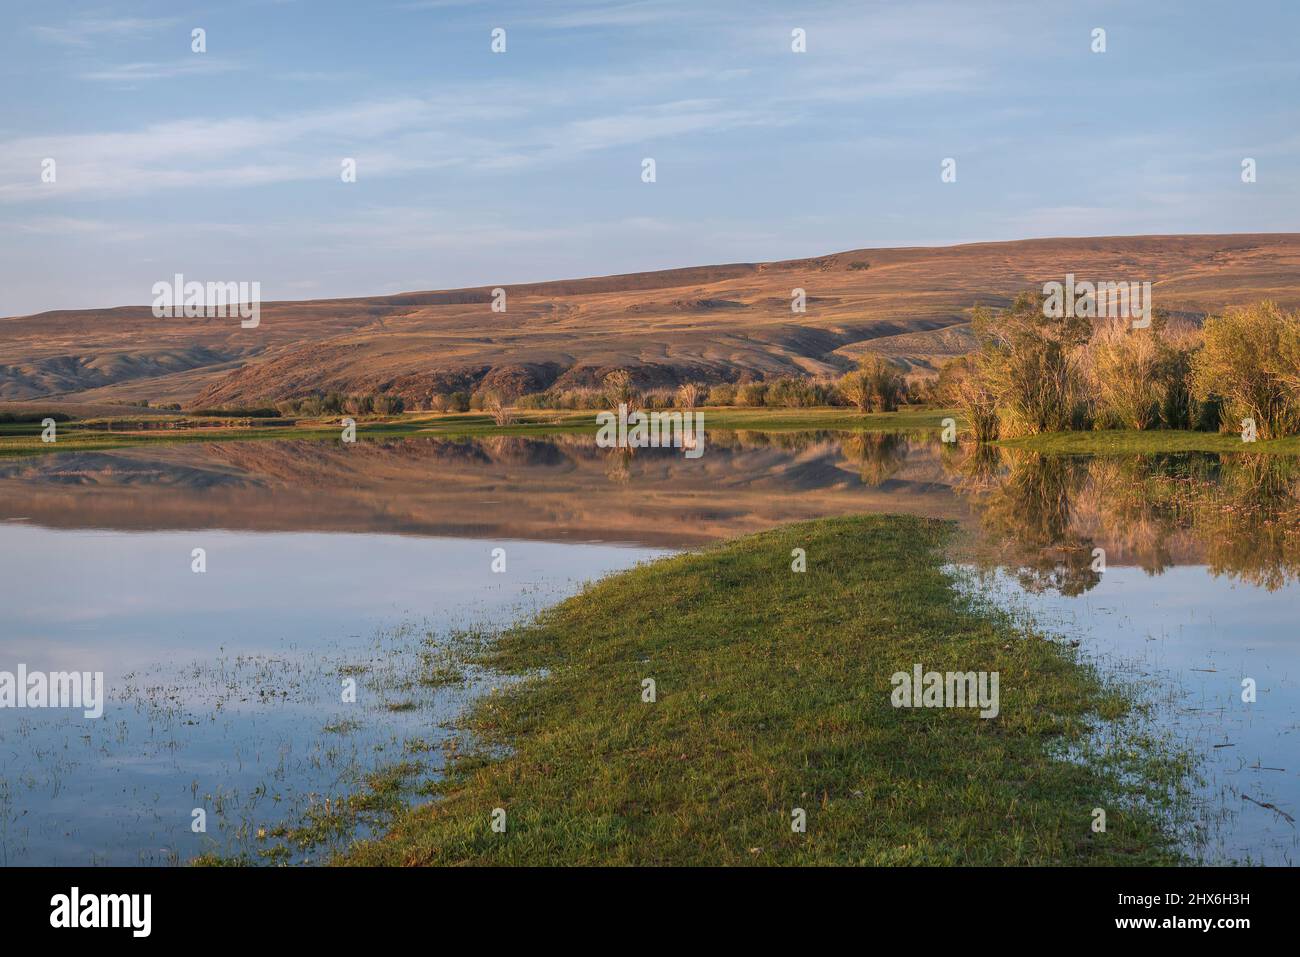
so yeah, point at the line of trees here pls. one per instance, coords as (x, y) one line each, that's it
(1032, 373)
(876, 385)
(337, 403)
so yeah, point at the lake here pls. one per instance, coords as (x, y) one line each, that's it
(326, 564)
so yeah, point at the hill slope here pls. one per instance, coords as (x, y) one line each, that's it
(708, 323)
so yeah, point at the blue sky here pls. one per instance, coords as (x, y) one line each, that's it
(480, 168)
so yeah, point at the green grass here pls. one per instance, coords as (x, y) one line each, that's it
(773, 693)
(1114, 442)
(24, 439)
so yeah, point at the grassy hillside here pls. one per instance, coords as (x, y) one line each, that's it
(707, 323)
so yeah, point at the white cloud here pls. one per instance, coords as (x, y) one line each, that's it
(193, 65)
(88, 31)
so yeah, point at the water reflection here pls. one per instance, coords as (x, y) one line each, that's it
(1045, 516)
(94, 549)
(1042, 516)
(556, 489)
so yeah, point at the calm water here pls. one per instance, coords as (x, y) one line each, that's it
(327, 562)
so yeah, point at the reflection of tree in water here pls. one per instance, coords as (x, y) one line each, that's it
(975, 466)
(1028, 520)
(1251, 521)
(1042, 515)
(878, 455)
(1128, 511)
(1239, 511)
(618, 464)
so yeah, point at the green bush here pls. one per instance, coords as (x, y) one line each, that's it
(724, 393)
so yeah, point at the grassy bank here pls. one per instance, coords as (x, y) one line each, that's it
(773, 693)
(20, 439)
(1117, 442)
(25, 439)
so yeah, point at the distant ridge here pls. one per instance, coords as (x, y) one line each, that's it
(707, 323)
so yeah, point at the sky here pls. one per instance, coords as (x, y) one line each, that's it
(481, 168)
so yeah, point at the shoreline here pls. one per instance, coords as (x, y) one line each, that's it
(24, 440)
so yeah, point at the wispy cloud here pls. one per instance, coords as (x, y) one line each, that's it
(618, 15)
(187, 66)
(483, 128)
(88, 31)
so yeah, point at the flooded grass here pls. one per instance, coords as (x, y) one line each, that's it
(282, 766)
(773, 697)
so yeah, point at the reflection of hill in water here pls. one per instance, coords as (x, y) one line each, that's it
(1044, 516)
(562, 488)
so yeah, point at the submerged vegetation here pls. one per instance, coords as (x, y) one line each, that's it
(771, 696)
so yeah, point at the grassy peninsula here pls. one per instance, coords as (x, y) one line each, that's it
(773, 694)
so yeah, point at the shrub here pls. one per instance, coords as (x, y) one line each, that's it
(688, 395)
(792, 393)
(1030, 364)
(1180, 408)
(875, 385)
(961, 384)
(752, 394)
(358, 404)
(1250, 361)
(24, 418)
(538, 400)
(1128, 370)
(258, 413)
(657, 399)
(617, 389)
(724, 393)
(386, 404)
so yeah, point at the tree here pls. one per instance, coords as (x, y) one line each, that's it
(1127, 372)
(1031, 363)
(617, 390)
(499, 408)
(876, 385)
(1251, 360)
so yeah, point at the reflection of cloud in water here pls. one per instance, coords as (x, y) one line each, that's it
(224, 687)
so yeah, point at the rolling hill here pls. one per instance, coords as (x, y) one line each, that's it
(708, 323)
